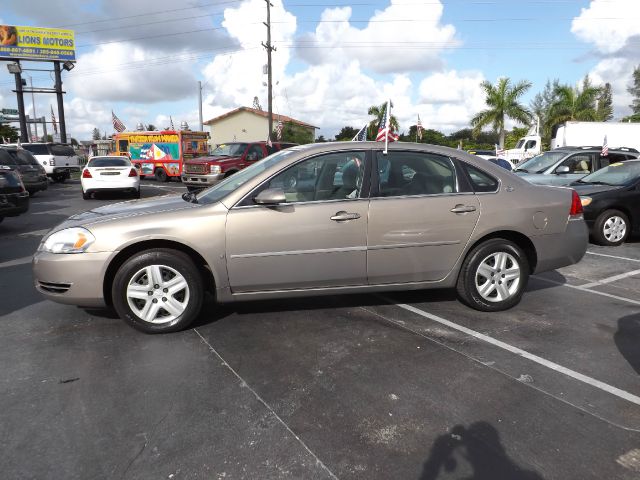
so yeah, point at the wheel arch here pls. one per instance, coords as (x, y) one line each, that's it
(518, 238)
(208, 276)
(620, 208)
(228, 173)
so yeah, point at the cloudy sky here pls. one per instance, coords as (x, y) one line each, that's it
(143, 59)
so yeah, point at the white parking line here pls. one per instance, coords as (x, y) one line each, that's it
(580, 287)
(17, 261)
(614, 256)
(611, 279)
(518, 351)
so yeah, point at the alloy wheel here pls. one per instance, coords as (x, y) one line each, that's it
(498, 277)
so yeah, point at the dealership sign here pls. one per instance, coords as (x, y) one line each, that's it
(35, 43)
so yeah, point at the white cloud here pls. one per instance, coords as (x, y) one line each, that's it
(412, 37)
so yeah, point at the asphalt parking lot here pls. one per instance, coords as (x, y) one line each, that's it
(399, 386)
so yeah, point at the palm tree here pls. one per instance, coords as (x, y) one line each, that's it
(378, 112)
(573, 103)
(502, 100)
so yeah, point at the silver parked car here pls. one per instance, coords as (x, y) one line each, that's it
(315, 220)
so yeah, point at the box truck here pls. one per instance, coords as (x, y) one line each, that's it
(580, 134)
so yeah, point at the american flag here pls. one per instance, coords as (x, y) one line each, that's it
(605, 148)
(269, 144)
(53, 120)
(279, 127)
(419, 128)
(361, 136)
(499, 151)
(117, 124)
(385, 132)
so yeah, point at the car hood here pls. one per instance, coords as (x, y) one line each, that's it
(583, 189)
(206, 160)
(168, 203)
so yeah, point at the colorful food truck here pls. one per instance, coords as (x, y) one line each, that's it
(161, 153)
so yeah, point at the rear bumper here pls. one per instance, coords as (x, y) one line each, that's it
(64, 170)
(203, 181)
(14, 204)
(73, 279)
(129, 184)
(37, 185)
(559, 250)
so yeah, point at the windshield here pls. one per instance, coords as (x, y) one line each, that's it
(615, 174)
(108, 162)
(230, 150)
(520, 143)
(540, 163)
(228, 185)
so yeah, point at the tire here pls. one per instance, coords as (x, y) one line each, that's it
(1, 219)
(131, 287)
(611, 228)
(32, 193)
(86, 196)
(136, 194)
(58, 178)
(228, 174)
(484, 259)
(193, 189)
(161, 175)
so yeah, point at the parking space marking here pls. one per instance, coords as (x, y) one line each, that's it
(522, 353)
(267, 406)
(17, 261)
(611, 279)
(614, 256)
(581, 287)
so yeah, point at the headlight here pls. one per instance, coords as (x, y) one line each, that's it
(215, 169)
(69, 240)
(585, 201)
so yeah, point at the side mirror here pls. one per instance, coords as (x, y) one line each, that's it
(562, 169)
(270, 196)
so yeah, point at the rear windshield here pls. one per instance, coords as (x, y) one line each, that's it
(8, 179)
(37, 149)
(7, 159)
(62, 150)
(108, 162)
(22, 157)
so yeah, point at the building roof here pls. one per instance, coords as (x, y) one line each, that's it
(261, 113)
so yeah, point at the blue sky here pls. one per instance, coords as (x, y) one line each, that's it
(429, 56)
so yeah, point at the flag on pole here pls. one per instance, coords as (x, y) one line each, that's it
(118, 126)
(361, 136)
(53, 120)
(385, 131)
(279, 127)
(419, 129)
(269, 144)
(171, 123)
(499, 151)
(605, 148)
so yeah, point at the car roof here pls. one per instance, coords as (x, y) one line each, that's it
(124, 157)
(596, 148)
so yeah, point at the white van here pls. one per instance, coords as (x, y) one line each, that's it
(58, 159)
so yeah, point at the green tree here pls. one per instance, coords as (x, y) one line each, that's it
(604, 104)
(541, 107)
(8, 132)
(513, 136)
(95, 135)
(503, 102)
(574, 103)
(321, 139)
(378, 111)
(632, 118)
(634, 90)
(294, 133)
(347, 133)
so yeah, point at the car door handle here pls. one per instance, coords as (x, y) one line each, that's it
(343, 216)
(463, 209)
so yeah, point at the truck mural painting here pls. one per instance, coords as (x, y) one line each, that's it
(161, 154)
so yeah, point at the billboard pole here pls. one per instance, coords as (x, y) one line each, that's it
(21, 112)
(58, 88)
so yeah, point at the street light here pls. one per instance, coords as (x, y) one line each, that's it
(68, 65)
(14, 68)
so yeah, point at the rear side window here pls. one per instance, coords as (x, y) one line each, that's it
(62, 150)
(37, 149)
(481, 181)
(108, 162)
(7, 159)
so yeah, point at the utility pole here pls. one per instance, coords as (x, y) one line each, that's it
(59, 92)
(269, 49)
(33, 101)
(21, 112)
(200, 104)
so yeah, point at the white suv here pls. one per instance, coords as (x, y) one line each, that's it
(58, 159)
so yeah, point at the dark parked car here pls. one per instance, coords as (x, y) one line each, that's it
(32, 173)
(14, 198)
(611, 201)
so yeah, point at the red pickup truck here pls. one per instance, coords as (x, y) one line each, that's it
(227, 159)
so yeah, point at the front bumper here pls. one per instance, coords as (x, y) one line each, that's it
(73, 279)
(203, 181)
(562, 249)
(14, 204)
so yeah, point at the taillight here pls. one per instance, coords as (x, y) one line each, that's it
(133, 173)
(52, 161)
(576, 204)
(86, 173)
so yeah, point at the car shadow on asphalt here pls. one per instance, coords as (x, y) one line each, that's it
(554, 278)
(627, 339)
(474, 452)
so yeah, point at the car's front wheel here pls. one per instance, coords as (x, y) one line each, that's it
(493, 276)
(158, 291)
(611, 228)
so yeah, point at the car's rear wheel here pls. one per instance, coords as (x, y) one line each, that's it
(161, 175)
(611, 228)
(158, 291)
(493, 276)
(136, 194)
(59, 178)
(86, 195)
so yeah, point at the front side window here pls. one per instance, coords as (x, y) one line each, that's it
(333, 176)
(580, 163)
(530, 144)
(255, 153)
(415, 173)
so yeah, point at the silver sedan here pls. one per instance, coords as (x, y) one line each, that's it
(316, 220)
